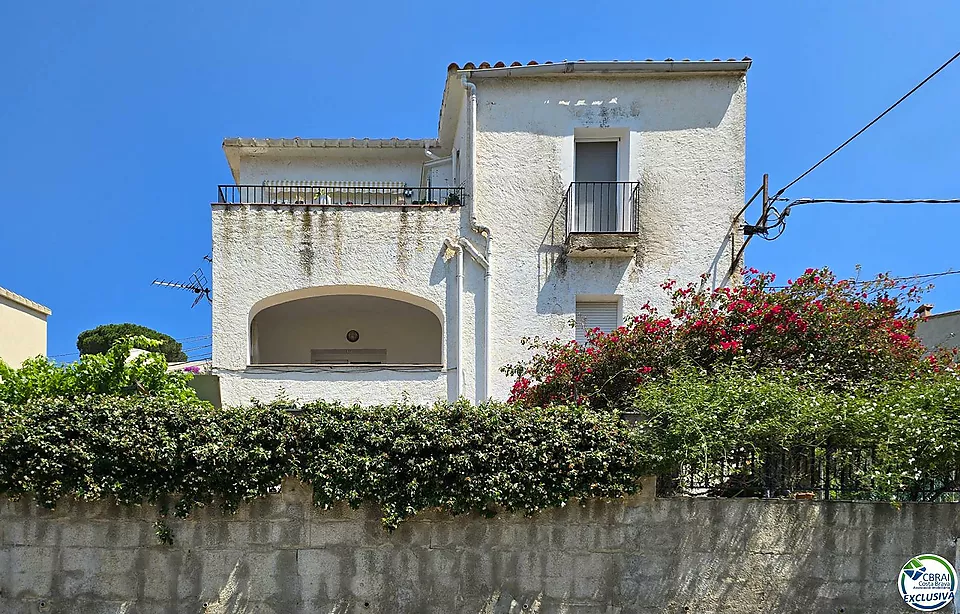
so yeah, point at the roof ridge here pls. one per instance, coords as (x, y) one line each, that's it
(453, 66)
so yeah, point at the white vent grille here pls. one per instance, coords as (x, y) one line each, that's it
(350, 356)
(596, 314)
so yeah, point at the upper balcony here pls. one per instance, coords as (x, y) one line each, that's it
(601, 219)
(340, 194)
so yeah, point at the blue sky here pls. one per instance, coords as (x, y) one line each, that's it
(112, 115)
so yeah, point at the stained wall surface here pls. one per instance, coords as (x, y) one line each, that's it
(639, 555)
(681, 144)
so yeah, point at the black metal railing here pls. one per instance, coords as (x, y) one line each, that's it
(602, 206)
(818, 472)
(340, 194)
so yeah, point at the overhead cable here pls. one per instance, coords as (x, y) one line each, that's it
(865, 128)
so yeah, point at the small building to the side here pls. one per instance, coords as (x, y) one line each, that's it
(938, 331)
(23, 328)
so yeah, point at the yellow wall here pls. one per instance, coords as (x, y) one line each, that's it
(23, 330)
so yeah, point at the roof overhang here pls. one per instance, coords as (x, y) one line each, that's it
(583, 67)
(24, 302)
(235, 148)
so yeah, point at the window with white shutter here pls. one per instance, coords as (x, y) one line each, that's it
(604, 315)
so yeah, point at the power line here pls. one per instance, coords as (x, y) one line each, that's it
(865, 128)
(760, 228)
(875, 201)
(199, 347)
(925, 275)
(198, 337)
(179, 340)
(904, 278)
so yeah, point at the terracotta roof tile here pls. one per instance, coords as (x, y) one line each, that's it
(454, 66)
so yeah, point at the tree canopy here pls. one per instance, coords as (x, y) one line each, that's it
(100, 339)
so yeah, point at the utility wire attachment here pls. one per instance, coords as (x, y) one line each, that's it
(763, 226)
(865, 128)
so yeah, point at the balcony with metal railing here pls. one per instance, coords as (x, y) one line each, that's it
(340, 194)
(601, 218)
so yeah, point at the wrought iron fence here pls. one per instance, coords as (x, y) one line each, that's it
(817, 472)
(339, 194)
(602, 206)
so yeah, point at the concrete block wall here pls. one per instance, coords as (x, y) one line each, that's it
(282, 555)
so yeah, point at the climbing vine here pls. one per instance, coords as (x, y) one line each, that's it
(403, 458)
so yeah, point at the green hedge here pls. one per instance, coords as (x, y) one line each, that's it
(461, 457)
(909, 428)
(403, 458)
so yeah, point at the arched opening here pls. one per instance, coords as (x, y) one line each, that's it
(344, 325)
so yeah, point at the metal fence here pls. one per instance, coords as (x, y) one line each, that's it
(822, 473)
(602, 206)
(340, 195)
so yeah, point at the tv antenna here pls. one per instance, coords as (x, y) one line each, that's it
(198, 284)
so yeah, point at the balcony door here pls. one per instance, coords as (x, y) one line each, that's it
(595, 189)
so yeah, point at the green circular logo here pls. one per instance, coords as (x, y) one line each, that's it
(927, 582)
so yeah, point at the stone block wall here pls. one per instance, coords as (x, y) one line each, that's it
(282, 555)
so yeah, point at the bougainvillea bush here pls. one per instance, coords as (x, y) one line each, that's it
(837, 332)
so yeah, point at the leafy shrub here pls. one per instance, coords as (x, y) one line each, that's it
(111, 373)
(705, 423)
(461, 457)
(836, 331)
(100, 339)
(403, 458)
(135, 449)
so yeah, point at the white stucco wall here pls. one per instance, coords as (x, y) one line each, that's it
(682, 139)
(260, 252)
(684, 142)
(331, 164)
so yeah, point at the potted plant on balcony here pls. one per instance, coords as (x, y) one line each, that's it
(453, 199)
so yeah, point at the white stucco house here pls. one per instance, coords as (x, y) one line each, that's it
(361, 270)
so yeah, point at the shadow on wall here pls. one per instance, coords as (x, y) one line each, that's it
(673, 555)
(668, 105)
(280, 554)
(593, 276)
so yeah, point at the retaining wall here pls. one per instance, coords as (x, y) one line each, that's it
(282, 555)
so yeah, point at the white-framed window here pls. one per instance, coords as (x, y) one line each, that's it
(600, 198)
(597, 312)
